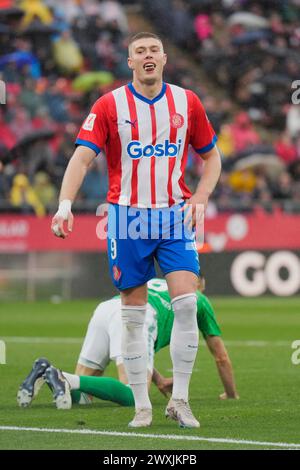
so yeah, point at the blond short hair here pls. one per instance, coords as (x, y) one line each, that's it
(142, 35)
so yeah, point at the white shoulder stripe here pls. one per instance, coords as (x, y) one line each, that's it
(181, 106)
(124, 130)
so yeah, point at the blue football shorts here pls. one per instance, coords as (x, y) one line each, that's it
(136, 237)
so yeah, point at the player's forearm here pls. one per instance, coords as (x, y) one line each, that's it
(156, 377)
(75, 173)
(226, 375)
(211, 172)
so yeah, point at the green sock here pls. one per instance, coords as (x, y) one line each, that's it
(107, 388)
(75, 394)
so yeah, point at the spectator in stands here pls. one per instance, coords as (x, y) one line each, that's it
(20, 123)
(7, 137)
(217, 110)
(57, 103)
(4, 186)
(283, 188)
(94, 187)
(30, 98)
(226, 141)
(10, 73)
(68, 9)
(242, 181)
(67, 54)
(296, 194)
(106, 52)
(44, 189)
(111, 11)
(293, 120)
(262, 190)
(294, 170)
(243, 133)
(41, 158)
(254, 67)
(24, 197)
(285, 148)
(203, 27)
(35, 9)
(63, 153)
(181, 23)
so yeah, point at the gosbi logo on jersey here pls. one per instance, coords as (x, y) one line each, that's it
(89, 122)
(135, 149)
(176, 120)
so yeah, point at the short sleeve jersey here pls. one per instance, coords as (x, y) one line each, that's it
(146, 143)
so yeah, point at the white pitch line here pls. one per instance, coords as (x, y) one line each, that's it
(256, 343)
(41, 340)
(174, 437)
(62, 340)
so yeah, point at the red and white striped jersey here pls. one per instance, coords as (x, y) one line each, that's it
(146, 143)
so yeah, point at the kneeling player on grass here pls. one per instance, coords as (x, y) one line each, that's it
(103, 343)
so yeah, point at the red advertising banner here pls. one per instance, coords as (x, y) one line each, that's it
(225, 232)
(19, 234)
(259, 230)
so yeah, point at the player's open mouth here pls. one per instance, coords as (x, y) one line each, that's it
(149, 66)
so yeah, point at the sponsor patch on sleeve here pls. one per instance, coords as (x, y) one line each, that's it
(88, 124)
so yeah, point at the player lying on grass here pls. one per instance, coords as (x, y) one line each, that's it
(103, 343)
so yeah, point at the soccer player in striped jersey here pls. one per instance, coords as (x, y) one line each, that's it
(145, 129)
(102, 344)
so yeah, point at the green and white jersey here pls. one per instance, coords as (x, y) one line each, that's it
(159, 299)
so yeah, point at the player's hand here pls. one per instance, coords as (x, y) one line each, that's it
(194, 209)
(224, 396)
(63, 215)
(166, 386)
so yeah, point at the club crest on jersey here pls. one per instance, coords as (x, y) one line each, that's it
(89, 122)
(176, 120)
(116, 273)
(135, 149)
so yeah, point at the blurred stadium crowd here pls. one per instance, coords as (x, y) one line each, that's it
(57, 58)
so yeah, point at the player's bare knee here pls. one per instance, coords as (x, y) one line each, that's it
(135, 300)
(84, 370)
(182, 283)
(136, 296)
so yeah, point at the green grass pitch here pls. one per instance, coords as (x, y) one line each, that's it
(258, 334)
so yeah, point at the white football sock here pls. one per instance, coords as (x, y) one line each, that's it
(184, 343)
(74, 380)
(134, 353)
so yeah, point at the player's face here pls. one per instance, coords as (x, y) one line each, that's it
(147, 60)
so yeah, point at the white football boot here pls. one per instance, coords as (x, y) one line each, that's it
(142, 418)
(180, 411)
